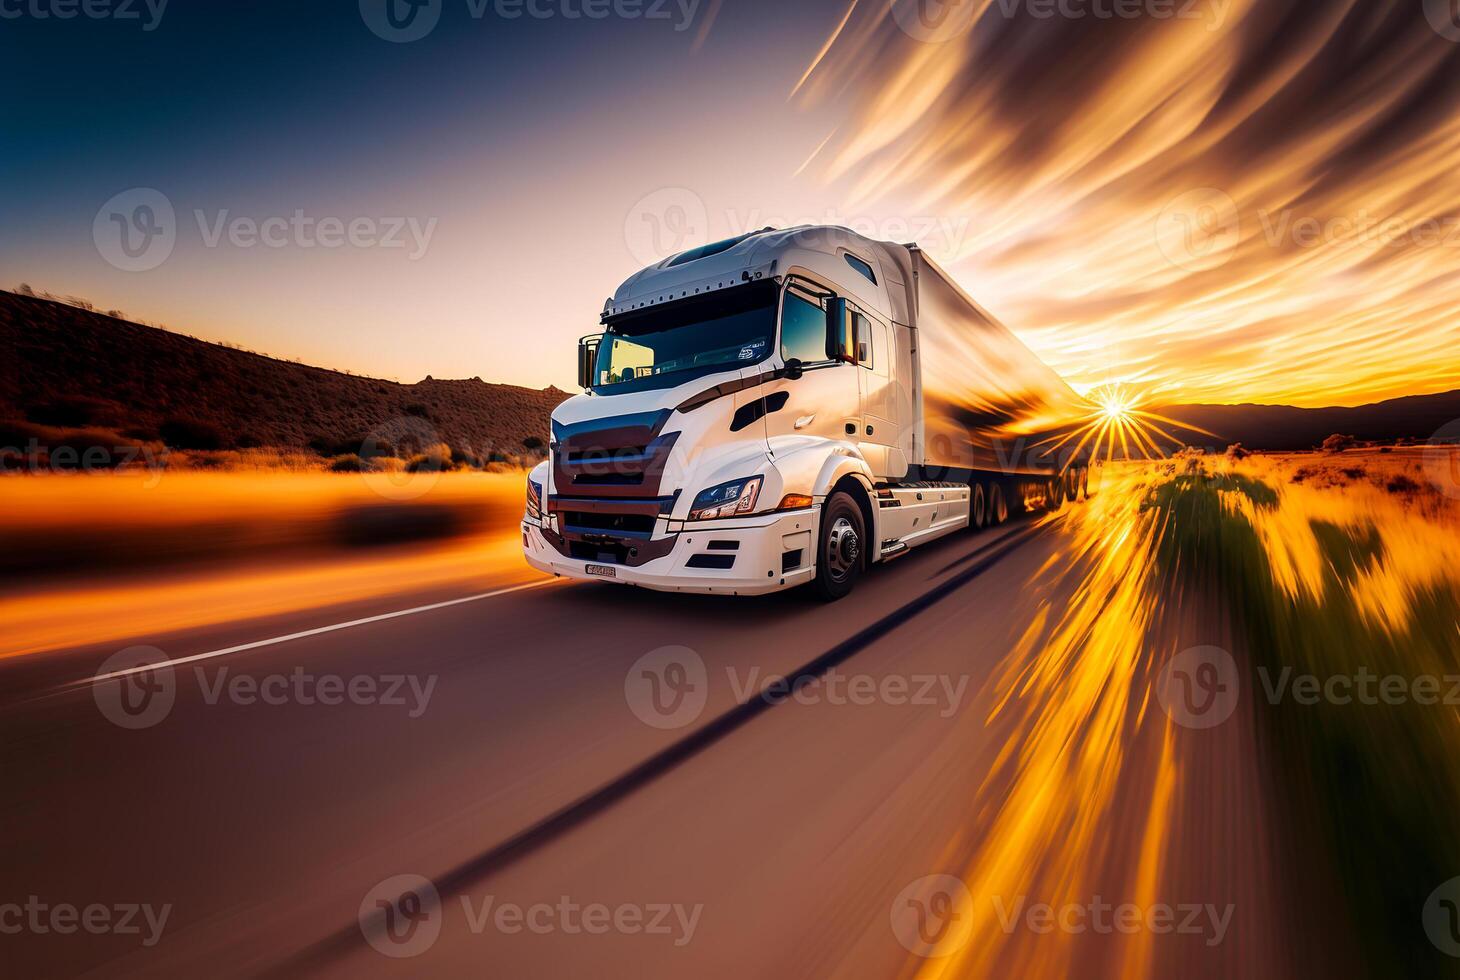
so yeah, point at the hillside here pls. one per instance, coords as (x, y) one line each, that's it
(67, 367)
(1280, 427)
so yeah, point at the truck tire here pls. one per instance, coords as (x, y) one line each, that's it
(978, 511)
(998, 505)
(839, 552)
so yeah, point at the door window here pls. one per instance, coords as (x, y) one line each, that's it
(803, 329)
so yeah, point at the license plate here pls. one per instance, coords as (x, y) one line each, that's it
(607, 571)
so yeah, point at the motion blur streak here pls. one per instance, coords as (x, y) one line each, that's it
(1193, 200)
(1332, 565)
(229, 547)
(1415, 550)
(69, 617)
(1075, 697)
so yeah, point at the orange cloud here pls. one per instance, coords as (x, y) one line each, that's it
(1217, 201)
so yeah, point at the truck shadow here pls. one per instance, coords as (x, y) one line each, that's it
(932, 561)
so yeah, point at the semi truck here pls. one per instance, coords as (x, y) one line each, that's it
(791, 407)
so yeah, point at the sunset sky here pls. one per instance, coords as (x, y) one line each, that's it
(1223, 202)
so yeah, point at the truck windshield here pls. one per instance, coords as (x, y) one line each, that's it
(661, 348)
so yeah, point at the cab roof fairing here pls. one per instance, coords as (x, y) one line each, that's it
(819, 249)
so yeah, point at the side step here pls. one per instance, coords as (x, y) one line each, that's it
(894, 549)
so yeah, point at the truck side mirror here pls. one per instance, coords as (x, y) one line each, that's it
(839, 332)
(588, 360)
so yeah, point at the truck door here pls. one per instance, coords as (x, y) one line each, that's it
(879, 433)
(826, 400)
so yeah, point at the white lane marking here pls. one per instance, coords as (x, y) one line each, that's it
(226, 651)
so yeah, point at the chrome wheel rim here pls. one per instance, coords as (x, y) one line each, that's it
(843, 548)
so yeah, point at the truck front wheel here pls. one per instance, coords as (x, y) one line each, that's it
(839, 553)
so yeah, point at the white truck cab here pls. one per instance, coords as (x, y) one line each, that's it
(765, 412)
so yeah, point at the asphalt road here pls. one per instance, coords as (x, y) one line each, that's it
(565, 779)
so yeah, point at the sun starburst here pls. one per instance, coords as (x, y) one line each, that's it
(1117, 427)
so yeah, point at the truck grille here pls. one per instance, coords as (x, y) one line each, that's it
(614, 457)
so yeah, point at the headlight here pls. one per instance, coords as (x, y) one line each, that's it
(727, 500)
(534, 500)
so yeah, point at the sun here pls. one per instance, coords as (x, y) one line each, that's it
(1114, 408)
(1118, 427)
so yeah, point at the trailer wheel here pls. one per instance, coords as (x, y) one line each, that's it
(1054, 495)
(998, 506)
(842, 543)
(1072, 484)
(978, 514)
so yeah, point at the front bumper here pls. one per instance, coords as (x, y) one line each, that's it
(761, 552)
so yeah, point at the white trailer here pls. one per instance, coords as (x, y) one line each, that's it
(791, 407)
